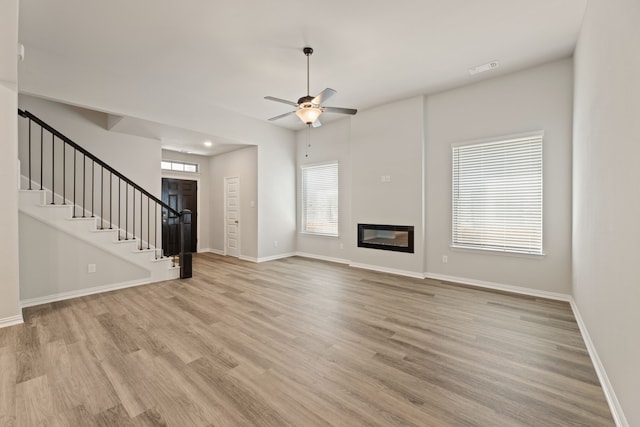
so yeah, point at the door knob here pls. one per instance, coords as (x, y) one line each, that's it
(236, 221)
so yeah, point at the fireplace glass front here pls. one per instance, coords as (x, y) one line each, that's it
(397, 238)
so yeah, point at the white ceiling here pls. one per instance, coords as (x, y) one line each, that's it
(229, 54)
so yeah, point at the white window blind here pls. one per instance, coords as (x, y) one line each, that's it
(320, 199)
(497, 195)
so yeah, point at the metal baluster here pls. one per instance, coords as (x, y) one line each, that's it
(148, 223)
(126, 211)
(84, 192)
(30, 153)
(93, 191)
(133, 219)
(155, 229)
(41, 155)
(64, 173)
(110, 200)
(101, 197)
(141, 233)
(53, 170)
(75, 155)
(119, 201)
(173, 241)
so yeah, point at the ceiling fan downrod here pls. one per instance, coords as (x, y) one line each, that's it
(308, 51)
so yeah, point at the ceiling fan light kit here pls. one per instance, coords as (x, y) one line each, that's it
(308, 115)
(309, 108)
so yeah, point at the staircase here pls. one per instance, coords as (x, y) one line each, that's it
(72, 191)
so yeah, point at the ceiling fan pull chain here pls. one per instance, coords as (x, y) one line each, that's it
(308, 140)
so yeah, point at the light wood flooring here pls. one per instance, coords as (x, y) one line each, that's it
(298, 342)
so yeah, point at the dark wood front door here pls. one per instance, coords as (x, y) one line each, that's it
(180, 194)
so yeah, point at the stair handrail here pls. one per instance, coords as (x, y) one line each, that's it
(28, 115)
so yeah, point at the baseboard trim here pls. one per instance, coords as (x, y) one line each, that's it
(11, 320)
(501, 287)
(213, 251)
(321, 257)
(609, 393)
(275, 257)
(82, 292)
(248, 258)
(387, 270)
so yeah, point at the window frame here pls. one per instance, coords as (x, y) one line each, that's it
(303, 205)
(182, 166)
(508, 246)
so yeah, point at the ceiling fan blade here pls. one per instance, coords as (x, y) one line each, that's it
(316, 124)
(281, 116)
(323, 96)
(339, 110)
(284, 101)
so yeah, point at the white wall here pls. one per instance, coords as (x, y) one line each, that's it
(388, 141)
(276, 196)
(329, 142)
(384, 141)
(244, 165)
(9, 273)
(606, 202)
(62, 261)
(204, 190)
(539, 98)
(51, 76)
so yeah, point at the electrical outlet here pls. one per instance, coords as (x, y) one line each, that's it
(91, 268)
(445, 259)
(275, 243)
(341, 245)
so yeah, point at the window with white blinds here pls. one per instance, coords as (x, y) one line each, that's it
(320, 199)
(497, 195)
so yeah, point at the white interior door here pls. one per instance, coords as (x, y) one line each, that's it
(232, 216)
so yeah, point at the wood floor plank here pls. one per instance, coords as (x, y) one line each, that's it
(298, 342)
(7, 386)
(34, 405)
(88, 379)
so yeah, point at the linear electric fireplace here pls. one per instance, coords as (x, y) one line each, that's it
(397, 238)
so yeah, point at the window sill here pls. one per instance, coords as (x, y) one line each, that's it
(496, 252)
(307, 233)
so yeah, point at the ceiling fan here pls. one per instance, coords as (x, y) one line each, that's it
(309, 108)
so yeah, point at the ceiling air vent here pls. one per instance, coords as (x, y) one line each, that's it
(485, 67)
